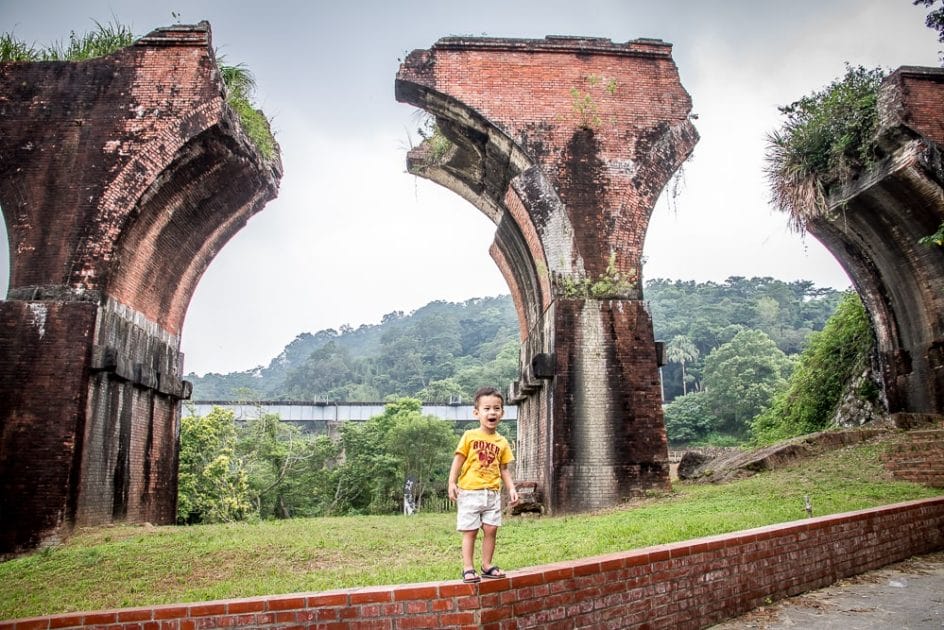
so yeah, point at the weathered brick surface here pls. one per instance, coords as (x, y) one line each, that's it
(43, 374)
(565, 143)
(912, 96)
(120, 180)
(691, 584)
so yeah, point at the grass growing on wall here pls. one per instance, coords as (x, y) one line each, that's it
(112, 37)
(121, 566)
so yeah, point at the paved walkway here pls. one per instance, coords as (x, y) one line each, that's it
(904, 596)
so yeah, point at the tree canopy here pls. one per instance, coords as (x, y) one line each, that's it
(444, 351)
(266, 468)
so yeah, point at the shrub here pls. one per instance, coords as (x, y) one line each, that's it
(826, 139)
(833, 357)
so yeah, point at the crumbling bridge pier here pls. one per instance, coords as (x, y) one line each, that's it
(565, 144)
(874, 227)
(120, 180)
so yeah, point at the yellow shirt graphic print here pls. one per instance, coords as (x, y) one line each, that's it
(484, 453)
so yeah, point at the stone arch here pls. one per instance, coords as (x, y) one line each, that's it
(179, 212)
(135, 168)
(566, 143)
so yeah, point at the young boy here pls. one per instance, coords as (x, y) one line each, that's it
(482, 458)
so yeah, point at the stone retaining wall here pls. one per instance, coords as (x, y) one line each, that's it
(691, 584)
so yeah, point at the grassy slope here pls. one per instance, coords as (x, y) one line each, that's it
(121, 566)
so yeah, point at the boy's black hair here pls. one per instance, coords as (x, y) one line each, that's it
(487, 391)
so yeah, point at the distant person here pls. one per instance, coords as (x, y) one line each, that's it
(481, 460)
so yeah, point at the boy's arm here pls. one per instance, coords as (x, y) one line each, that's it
(457, 462)
(506, 479)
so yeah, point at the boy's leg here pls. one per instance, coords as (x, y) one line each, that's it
(468, 548)
(489, 534)
(491, 521)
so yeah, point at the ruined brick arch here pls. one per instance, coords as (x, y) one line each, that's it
(566, 143)
(120, 179)
(480, 166)
(179, 213)
(873, 228)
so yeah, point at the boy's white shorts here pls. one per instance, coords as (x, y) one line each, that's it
(476, 507)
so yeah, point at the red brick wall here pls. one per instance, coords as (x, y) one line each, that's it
(918, 457)
(607, 123)
(917, 99)
(608, 436)
(691, 584)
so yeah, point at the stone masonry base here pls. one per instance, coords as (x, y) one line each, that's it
(691, 584)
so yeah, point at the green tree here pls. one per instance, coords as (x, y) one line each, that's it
(277, 458)
(934, 20)
(328, 373)
(212, 484)
(689, 420)
(423, 446)
(381, 453)
(442, 391)
(679, 350)
(741, 378)
(833, 358)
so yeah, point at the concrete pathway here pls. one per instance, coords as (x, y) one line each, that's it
(904, 596)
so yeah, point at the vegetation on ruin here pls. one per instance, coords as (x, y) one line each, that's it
(826, 138)
(435, 142)
(934, 239)
(106, 39)
(240, 90)
(113, 36)
(610, 285)
(123, 565)
(583, 103)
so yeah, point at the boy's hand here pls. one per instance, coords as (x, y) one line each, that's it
(453, 491)
(512, 496)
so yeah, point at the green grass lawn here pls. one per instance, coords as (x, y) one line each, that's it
(119, 566)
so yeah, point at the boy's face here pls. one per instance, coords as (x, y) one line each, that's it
(489, 410)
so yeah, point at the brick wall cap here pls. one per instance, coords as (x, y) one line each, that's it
(177, 35)
(641, 47)
(925, 72)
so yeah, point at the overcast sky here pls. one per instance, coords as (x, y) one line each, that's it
(352, 236)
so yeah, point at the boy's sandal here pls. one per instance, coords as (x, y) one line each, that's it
(470, 577)
(493, 572)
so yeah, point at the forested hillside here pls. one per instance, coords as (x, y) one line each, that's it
(443, 350)
(695, 318)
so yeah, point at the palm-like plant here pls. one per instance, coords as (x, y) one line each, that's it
(240, 89)
(679, 350)
(826, 138)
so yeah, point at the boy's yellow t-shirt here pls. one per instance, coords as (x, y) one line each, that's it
(483, 453)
